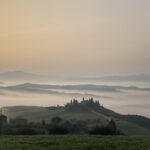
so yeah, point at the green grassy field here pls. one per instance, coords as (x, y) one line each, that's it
(74, 142)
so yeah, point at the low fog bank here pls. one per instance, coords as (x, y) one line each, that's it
(122, 99)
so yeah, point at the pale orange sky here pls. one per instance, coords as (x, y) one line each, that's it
(75, 37)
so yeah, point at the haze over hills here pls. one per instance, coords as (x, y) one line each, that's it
(18, 75)
(25, 76)
(39, 90)
(1, 82)
(81, 87)
(138, 77)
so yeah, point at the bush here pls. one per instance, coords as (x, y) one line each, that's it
(27, 131)
(57, 130)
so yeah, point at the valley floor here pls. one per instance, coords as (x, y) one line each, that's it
(74, 142)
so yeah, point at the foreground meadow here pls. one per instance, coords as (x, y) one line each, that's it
(74, 142)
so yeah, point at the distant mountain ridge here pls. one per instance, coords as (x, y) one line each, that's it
(79, 87)
(18, 75)
(25, 76)
(125, 78)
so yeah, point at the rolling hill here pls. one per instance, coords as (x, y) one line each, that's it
(89, 114)
(30, 87)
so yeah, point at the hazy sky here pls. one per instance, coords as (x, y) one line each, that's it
(75, 37)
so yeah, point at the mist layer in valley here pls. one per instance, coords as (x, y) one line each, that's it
(127, 98)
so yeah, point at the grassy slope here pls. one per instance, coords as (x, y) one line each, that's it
(131, 129)
(37, 114)
(74, 142)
